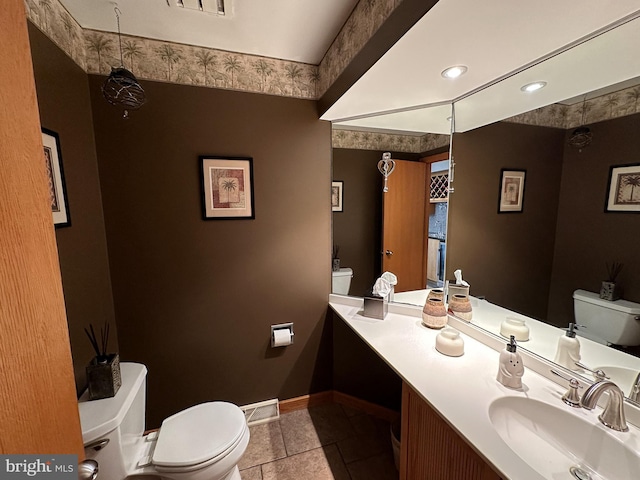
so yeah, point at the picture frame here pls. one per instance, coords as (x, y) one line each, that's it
(623, 195)
(337, 191)
(226, 187)
(55, 176)
(511, 198)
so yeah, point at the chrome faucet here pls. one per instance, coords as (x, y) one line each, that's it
(634, 394)
(613, 413)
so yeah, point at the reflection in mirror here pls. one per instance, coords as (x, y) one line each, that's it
(402, 231)
(531, 262)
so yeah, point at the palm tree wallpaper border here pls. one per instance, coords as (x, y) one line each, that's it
(96, 52)
(624, 189)
(227, 187)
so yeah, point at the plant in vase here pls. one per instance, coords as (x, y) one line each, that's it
(610, 290)
(103, 372)
(335, 260)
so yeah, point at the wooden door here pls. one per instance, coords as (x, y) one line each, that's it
(403, 225)
(38, 406)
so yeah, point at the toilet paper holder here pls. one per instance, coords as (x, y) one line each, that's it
(281, 326)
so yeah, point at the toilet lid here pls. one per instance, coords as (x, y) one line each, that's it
(198, 434)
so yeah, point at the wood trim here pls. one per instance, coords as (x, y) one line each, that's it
(306, 401)
(332, 396)
(367, 407)
(38, 403)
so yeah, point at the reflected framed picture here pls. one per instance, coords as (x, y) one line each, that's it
(337, 188)
(55, 178)
(624, 189)
(227, 187)
(511, 191)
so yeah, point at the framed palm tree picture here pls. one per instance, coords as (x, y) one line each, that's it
(227, 187)
(55, 178)
(624, 189)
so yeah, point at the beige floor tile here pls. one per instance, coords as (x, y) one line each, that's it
(304, 430)
(372, 438)
(380, 467)
(253, 473)
(266, 445)
(319, 464)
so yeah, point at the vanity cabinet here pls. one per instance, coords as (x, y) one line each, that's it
(431, 449)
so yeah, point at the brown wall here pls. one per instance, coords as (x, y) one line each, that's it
(358, 228)
(505, 257)
(587, 237)
(194, 299)
(65, 107)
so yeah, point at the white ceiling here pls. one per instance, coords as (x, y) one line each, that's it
(297, 30)
(494, 39)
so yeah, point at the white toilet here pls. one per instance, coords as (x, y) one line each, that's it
(605, 321)
(341, 281)
(204, 442)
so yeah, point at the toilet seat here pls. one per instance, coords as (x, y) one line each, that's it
(198, 436)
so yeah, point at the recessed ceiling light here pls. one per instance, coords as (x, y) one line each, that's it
(532, 87)
(454, 72)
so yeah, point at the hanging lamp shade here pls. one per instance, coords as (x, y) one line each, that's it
(121, 88)
(581, 137)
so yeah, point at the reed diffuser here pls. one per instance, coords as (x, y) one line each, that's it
(610, 289)
(103, 372)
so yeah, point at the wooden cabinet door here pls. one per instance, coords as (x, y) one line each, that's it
(431, 450)
(38, 406)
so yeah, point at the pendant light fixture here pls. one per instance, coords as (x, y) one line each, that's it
(581, 136)
(121, 88)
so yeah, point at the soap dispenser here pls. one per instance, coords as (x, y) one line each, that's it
(568, 352)
(511, 367)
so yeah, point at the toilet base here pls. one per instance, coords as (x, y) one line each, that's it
(234, 474)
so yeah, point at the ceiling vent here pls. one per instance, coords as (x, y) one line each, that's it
(216, 7)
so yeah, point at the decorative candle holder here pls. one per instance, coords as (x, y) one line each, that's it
(434, 315)
(460, 306)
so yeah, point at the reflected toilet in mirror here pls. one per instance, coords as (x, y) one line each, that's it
(341, 281)
(611, 322)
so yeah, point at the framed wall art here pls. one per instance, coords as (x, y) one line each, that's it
(337, 188)
(55, 177)
(227, 187)
(624, 189)
(511, 191)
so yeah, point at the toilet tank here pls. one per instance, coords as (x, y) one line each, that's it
(614, 322)
(111, 425)
(341, 281)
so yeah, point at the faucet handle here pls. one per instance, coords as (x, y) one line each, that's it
(599, 374)
(571, 397)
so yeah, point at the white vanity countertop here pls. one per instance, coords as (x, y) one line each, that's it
(459, 388)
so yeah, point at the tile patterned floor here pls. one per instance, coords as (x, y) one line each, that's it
(326, 442)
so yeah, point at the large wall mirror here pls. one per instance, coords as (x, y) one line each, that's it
(531, 262)
(401, 230)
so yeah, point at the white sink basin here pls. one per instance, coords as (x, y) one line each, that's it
(552, 440)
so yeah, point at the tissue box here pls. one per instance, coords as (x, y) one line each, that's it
(455, 289)
(375, 307)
